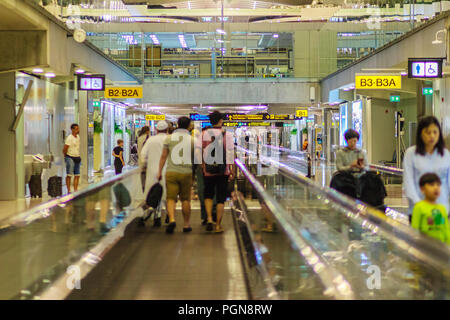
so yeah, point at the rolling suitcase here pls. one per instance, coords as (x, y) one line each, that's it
(54, 187)
(35, 186)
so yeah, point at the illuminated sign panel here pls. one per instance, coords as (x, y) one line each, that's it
(424, 68)
(124, 92)
(301, 113)
(378, 82)
(155, 117)
(91, 82)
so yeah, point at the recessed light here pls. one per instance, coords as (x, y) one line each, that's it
(38, 70)
(80, 71)
(50, 75)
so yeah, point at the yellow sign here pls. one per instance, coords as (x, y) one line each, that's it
(234, 117)
(378, 82)
(123, 92)
(155, 117)
(301, 113)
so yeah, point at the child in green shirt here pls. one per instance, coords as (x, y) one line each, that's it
(428, 216)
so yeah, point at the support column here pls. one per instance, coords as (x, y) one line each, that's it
(83, 124)
(8, 161)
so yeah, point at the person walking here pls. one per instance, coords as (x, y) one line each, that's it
(429, 155)
(144, 134)
(72, 157)
(218, 168)
(118, 157)
(178, 151)
(150, 157)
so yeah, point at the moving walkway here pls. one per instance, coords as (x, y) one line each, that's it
(302, 241)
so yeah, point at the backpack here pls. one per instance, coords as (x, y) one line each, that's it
(122, 195)
(344, 182)
(217, 168)
(372, 187)
(154, 195)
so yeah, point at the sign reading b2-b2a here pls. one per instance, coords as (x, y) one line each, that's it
(378, 82)
(123, 92)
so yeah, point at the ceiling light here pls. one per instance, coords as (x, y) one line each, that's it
(275, 35)
(38, 70)
(220, 31)
(79, 71)
(50, 75)
(154, 39)
(404, 73)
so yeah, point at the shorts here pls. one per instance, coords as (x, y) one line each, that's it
(218, 186)
(178, 184)
(72, 168)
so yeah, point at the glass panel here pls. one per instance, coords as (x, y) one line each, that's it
(358, 248)
(39, 245)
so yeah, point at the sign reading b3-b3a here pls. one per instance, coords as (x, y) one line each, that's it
(378, 82)
(123, 92)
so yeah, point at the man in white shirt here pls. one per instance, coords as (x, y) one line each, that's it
(150, 156)
(72, 157)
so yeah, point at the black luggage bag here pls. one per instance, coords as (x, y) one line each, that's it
(372, 189)
(344, 182)
(54, 187)
(35, 185)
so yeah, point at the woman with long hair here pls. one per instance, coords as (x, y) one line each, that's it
(429, 155)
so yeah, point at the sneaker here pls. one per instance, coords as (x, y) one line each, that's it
(209, 226)
(171, 227)
(204, 222)
(186, 230)
(157, 222)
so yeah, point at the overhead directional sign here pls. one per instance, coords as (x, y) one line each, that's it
(198, 117)
(424, 68)
(378, 82)
(251, 117)
(247, 124)
(155, 117)
(301, 113)
(123, 92)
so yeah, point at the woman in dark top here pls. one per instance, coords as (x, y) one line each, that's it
(118, 157)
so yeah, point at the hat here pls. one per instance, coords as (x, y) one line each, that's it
(162, 125)
(39, 157)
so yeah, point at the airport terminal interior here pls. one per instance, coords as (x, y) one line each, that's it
(290, 80)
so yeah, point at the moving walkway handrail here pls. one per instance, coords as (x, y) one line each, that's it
(335, 283)
(41, 211)
(415, 243)
(385, 169)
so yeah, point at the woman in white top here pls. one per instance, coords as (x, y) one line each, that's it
(429, 155)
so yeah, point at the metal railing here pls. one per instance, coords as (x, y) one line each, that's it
(386, 170)
(413, 242)
(50, 279)
(335, 283)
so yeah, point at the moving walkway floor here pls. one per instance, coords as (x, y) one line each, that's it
(148, 264)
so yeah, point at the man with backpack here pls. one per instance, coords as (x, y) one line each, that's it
(218, 168)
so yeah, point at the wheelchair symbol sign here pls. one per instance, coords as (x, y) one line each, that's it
(431, 69)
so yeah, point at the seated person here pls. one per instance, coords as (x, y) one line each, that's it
(428, 216)
(350, 157)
